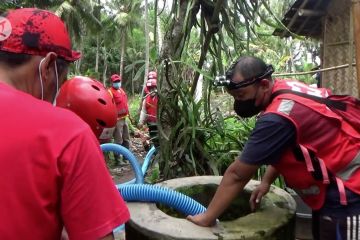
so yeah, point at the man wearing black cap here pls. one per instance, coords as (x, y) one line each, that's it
(52, 171)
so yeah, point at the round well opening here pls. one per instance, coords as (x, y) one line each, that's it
(203, 194)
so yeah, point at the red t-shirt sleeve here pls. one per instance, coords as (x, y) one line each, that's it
(91, 206)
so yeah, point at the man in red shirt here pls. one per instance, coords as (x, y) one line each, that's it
(52, 171)
(121, 133)
(149, 107)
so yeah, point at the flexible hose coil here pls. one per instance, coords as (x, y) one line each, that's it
(144, 166)
(150, 193)
(158, 194)
(147, 159)
(111, 147)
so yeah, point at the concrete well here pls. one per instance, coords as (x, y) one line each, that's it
(275, 220)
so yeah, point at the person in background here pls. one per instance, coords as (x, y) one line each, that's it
(121, 133)
(149, 107)
(52, 171)
(315, 150)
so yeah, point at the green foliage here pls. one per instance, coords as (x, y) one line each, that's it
(134, 103)
(196, 138)
(201, 141)
(153, 175)
(122, 19)
(226, 143)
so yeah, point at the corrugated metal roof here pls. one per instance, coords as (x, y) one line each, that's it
(304, 18)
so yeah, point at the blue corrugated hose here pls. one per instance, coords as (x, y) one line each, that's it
(150, 193)
(147, 159)
(144, 166)
(118, 149)
(158, 194)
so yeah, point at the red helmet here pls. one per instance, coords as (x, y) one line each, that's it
(152, 75)
(115, 78)
(151, 83)
(90, 100)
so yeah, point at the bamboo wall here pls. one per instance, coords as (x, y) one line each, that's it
(338, 48)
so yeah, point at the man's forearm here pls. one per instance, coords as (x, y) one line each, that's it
(227, 191)
(233, 182)
(270, 175)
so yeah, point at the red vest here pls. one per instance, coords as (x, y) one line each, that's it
(121, 101)
(151, 108)
(337, 149)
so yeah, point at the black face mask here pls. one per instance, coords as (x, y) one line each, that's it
(246, 108)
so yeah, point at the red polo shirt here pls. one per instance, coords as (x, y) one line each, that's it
(52, 173)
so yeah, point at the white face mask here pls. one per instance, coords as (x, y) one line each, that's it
(42, 84)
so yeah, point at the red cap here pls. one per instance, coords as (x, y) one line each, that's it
(36, 32)
(115, 78)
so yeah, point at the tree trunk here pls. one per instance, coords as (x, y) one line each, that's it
(147, 50)
(155, 27)
(78, 62)
(105, 67)
(291, 58)
(147, 43)
(97, 14)
(132, 82)
(77, 66)
(183, 19)
(174, 36)
(212, 29)
(97, 54)
(159, 35)
(122, 52)
(157, 31)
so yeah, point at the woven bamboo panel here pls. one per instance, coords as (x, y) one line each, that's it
(339, 48)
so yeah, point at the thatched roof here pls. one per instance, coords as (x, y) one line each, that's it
(304, 18)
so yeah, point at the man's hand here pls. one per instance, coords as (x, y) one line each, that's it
(201, 220)
(236, 176)
(269, 177)
(256, 196)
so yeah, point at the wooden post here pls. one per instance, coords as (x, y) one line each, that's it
(356, 17)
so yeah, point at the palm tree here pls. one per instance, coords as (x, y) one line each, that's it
(147, 46)
(79, 16)
(127, 18)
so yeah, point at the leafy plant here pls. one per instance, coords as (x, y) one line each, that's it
(226, 144)
(201, 141)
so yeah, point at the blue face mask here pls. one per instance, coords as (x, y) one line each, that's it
(116, 85)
